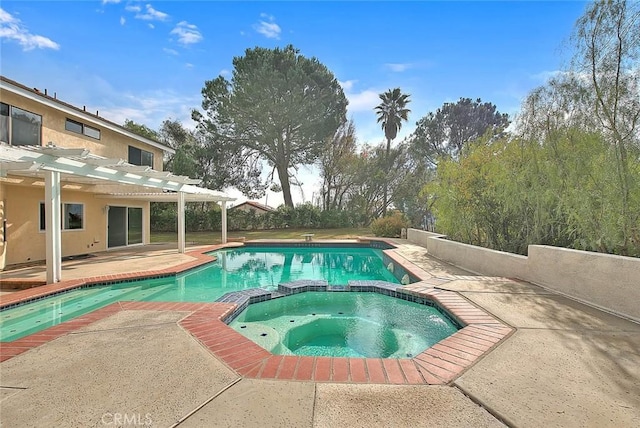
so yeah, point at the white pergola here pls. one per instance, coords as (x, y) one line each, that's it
(56, 164)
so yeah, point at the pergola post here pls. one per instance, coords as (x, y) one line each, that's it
(224, 221)
(53, 235)
(181, 226)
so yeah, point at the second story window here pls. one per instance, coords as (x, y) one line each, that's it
(20, 127)
(140, 157)
(81, 128)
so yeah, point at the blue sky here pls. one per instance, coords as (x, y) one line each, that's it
(147, 61)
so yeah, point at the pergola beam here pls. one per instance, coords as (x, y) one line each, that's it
(55, 163)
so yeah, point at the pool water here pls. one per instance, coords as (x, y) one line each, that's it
(234, 270)
(343, 324)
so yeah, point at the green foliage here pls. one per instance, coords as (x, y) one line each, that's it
(445, 133)
(203, 217)
(279, 107)
(509, 193)
(337, 167)
(572, 178)
(142, 130)
(390, 226)
(391, 112)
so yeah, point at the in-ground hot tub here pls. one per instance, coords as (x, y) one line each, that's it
(344, 324)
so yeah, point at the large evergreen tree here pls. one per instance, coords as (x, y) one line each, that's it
(446, 131)
(279, 107)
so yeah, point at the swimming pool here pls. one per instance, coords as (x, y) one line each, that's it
(343, 324)
(236, 269)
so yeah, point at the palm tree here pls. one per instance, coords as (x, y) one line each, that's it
(391, 112)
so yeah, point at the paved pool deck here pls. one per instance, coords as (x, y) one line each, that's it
(563, 364)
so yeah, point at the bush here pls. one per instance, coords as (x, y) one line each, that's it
(208, 217)
(390, 226)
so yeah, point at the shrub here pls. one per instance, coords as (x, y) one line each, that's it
(390, 226)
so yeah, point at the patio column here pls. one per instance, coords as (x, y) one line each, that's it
(224, 222)
(53, 225)
(181, 243)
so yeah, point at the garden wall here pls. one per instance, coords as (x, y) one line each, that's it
(608, 281)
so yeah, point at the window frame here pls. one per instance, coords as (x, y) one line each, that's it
(10, 126)
(140, 153)
(64, 206)
(83, 129)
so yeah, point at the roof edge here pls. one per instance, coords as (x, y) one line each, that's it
(47, 100)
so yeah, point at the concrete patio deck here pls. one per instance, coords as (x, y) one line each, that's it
(566, 364)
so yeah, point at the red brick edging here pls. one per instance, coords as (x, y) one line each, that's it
(437, 365)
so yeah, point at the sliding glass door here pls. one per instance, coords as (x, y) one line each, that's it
(124, 227)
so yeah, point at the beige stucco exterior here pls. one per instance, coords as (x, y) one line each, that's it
(111, 144)
(26, 242)
(20, 196)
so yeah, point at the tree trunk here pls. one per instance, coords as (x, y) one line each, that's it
(283, 175)
(385, 201)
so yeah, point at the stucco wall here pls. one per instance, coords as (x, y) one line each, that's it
(26, 243)
(110, 145)
(605, 280)
(477, 259)
(420, 237)
(608, 281)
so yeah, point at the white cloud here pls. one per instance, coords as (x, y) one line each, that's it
(189, 65)
(268, 28)
(12, 29)
(151, 14)
(150, 107)
(122, 20)
(359, 101)
(544, 76)
(110, 1)
(170, 51)
(398, 67)
(132, 8)
(225, 73)
(347, 85)
(151, 26)
(363, 101)
(187, 33)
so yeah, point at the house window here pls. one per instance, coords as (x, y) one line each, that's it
(19, 127)
(4, 123)
(92, 132)
(73, 126)
(81, 128)
(72, 216)
(140, 157)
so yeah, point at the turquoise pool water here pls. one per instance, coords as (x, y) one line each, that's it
(234, 270)
(343, 324)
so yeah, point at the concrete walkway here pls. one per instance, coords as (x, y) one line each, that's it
(566, 365)
(132, 259)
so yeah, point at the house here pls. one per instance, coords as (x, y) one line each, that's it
(256, 207)
(72, 182)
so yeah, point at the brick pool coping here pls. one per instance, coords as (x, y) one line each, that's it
(437, 365)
